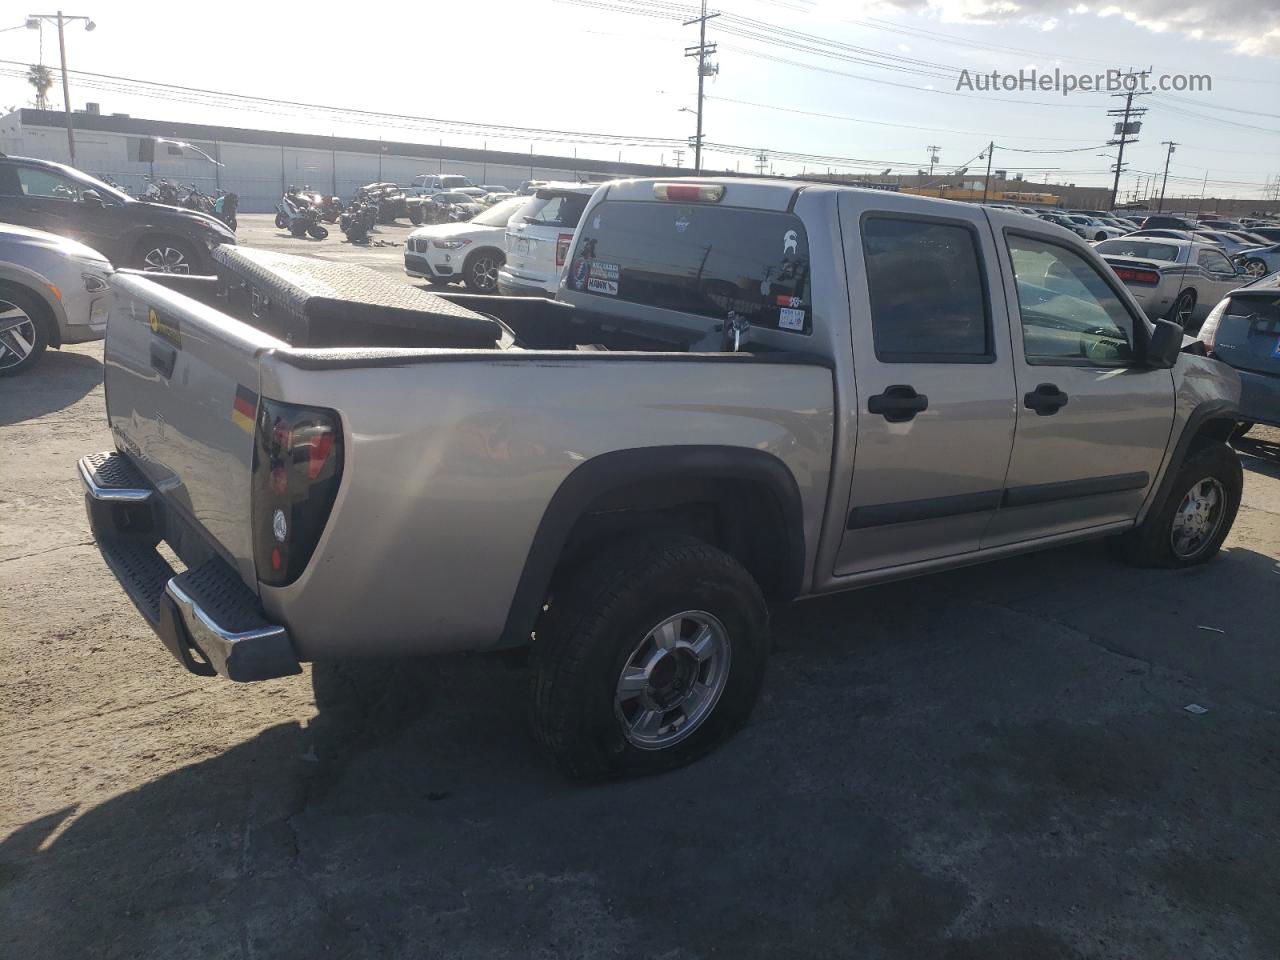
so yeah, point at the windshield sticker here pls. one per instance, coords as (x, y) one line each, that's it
(595, 222)
(682, 223)
(785, 301)
(608, 287)
(790, 240)
(578, 273)
(791, 319)
(604, 270)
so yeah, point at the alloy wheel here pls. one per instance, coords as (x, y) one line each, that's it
(673, 679)
(1255, 268)
(1196, 521)
(484, 273)
(165, 260)
(17, 334)
(1186, 306)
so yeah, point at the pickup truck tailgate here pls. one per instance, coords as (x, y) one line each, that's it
(182, 398)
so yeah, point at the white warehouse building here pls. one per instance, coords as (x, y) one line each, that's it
(259, 164)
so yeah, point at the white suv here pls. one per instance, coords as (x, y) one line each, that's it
(471, 251)
(426, 184)
(538, 238)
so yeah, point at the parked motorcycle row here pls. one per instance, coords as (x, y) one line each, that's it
(222, 205)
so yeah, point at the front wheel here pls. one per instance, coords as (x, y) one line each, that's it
(166, 255)
(317, 232)
(1188, 528)
(281, 221)
(481, 271)
(23, 337)
(648, 658)
(1255, 268)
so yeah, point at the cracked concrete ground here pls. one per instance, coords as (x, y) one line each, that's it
(989, 763)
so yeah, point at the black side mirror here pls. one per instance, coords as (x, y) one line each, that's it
(1164, 344)
(91, 198)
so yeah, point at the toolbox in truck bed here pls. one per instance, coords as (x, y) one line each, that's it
(317, 303)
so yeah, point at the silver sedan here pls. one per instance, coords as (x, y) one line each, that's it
(53, 291)
(1260, 261)
(1179, 280)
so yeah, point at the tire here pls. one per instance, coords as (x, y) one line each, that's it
(317, 232)
(23, 334)
(281, 221)
(480, 271)
(1155, 542)
(165, 255)
(415, 215)
(1255, 268)
(1183, 308)
(298, 230)
(606, 617)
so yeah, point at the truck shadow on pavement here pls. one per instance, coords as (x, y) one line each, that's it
(989, 763)
(58, 380)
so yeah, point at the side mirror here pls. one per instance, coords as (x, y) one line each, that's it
(91, 198)
(1164, 345)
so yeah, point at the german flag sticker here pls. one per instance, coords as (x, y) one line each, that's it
(244, 408)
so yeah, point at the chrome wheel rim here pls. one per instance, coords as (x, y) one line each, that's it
(1185, 306)
(484, 273)
(165, 260)
(673, 679)
(1196, 521)
(17, 335)
(1255, 268)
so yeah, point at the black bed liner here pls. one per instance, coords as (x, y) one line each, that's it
(318, 303)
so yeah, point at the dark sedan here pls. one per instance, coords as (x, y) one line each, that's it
(130, 233)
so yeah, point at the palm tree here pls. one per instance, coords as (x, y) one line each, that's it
(39, 77)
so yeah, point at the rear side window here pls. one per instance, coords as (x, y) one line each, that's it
(698, 259)
(928, 292)
(555, 209)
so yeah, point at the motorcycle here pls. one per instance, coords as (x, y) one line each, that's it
(299, 217)
(329, 208)
(161, 191)
(360, 217)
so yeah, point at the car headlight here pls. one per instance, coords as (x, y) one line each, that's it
(94, 283)
(449, 244)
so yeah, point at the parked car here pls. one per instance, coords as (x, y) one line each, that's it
(1168, 234)
(444, 207)
(1095, 229)
(1168, 222)
(428, 183)
(1259, 261)
(1064, 221)
(49, 196)
(391, 200)
(471, 252)
(53, 291)
(491, 198)
(1178, 280)
(538, 239)
(1219, 224)
(1269, 233)
(1243, 330)
(492, 188)
(1230, 243)
(623, 480)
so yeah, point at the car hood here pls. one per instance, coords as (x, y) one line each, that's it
(185, 213)
(51, 241)
(457, 231)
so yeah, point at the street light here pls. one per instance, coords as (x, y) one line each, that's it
(33, 23)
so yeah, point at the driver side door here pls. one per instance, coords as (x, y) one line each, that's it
(47, 200)
(1092, 422)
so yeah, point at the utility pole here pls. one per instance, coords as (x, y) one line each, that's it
(1125, 127)
(933, 156)
(762, 162)
(679, 155)
(1203, 186)
(1165, 182)
(705, 69)
(986, 184)
(61, 19)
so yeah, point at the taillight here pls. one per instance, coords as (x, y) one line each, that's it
(562, 248)
(297, 466)
(1209, 329)
(689, 192)
(1129, 275)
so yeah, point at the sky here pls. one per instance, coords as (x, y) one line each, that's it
(817, 85)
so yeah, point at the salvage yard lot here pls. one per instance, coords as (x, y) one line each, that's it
(994, 762)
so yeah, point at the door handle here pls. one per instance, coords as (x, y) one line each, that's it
(1045, 400)
(898, 403)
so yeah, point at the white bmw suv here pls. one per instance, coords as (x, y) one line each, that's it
(471, 251)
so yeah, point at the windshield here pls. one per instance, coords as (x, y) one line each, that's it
(1143, 249)
(499, 213)
(109, 194)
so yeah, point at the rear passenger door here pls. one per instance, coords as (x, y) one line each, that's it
(1093, 422)
(933, 381)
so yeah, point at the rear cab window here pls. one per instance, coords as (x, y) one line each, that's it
(700, 259)
(550, 208)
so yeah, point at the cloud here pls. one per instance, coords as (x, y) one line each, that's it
(1247, 27)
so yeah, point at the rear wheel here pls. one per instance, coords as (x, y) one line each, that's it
(648, 658)
(480, 273)
(317, 232)
(415, 214)
(1183, 308)
(166, 255)
(23, 336)
(1188, 528)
